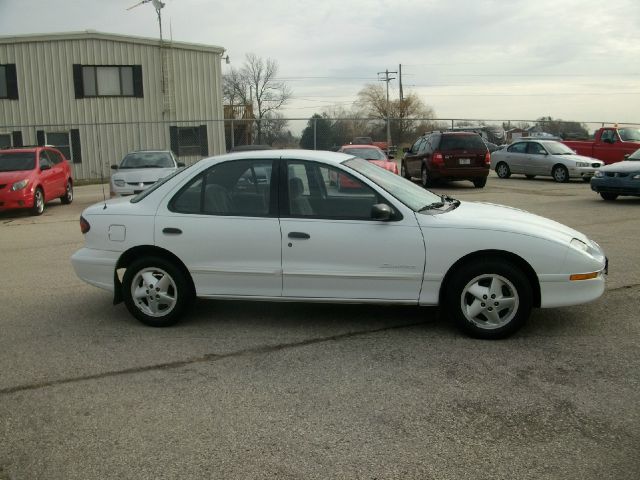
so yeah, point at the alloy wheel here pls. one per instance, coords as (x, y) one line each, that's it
(489, 301)
(154, 292)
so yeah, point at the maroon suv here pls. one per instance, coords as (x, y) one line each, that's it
(447, 156)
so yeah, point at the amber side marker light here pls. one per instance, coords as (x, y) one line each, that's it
(84, 225)
(584, 276)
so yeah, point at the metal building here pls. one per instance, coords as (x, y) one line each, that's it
(97, 96)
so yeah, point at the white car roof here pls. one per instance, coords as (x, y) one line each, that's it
(287, 154)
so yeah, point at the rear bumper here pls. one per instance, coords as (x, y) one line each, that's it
(459, 173)
(96, 267)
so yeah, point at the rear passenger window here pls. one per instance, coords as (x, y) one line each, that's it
(518, 148)
(462, 142)
(240, 188)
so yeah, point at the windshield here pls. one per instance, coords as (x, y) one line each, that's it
(557, 148)
(412, 195)
(366, 153)
(17, 161)
(630, 134)
(147, 160)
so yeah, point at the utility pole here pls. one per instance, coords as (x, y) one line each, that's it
(387, 79)
(400, 82)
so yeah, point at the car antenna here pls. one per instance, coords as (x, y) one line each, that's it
(104, 195)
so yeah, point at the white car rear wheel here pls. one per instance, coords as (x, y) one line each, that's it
(155, 291)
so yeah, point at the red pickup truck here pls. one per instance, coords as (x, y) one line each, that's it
(611, 144)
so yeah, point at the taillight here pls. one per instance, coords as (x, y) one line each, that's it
(437, 159)
(487, 159)
(84, 225)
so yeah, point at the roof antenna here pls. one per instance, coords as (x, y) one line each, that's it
(104, 195)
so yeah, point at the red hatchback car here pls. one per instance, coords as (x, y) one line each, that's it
(369, 152)
(32, 176)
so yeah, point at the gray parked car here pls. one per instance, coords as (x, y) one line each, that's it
(141, 169)
(544, 158)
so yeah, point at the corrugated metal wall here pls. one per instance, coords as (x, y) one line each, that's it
(111, 126)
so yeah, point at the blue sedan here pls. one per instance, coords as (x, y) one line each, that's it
(622, 178)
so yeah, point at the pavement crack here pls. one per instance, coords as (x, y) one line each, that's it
(207, 358)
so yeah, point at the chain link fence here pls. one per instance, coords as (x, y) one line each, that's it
(93, 148)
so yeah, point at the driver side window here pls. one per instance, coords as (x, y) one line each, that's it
(321, 191)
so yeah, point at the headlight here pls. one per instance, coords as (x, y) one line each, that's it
(579, 244)
(118, 182)
(636, 176)
(582, 164)
(599, 174)
(20, 185)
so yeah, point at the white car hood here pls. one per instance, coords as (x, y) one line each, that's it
(580, 158)
(144, 175)
(500, 218)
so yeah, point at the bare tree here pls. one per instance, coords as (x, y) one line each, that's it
(256, 84)
(372, 99)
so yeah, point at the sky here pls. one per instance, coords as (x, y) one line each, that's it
(575, 60)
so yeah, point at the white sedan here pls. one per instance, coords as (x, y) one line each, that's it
(267, 225)
(543, 158)
(141, 169)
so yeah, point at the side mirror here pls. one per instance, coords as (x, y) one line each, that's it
(114, 167)
(180, 164)
(381, 211)
(627, 155)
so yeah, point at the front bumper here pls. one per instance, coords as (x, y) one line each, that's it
(15, 200)
(616, 185)
(582, 172)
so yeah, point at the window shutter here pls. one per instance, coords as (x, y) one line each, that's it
(76, 151)
(12, 81)
(204, 143)
(40, 137)
(17, 138)
(137, 81)
(78, 85)
(173, 140)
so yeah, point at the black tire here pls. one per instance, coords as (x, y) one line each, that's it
(425, 179)
(512, 289)
(67, 198)
(560, 174)
(609, 197)
(403, 171)
(503, 170)
(480, 182)
(174, 294)
(530, 177)
(38, 202)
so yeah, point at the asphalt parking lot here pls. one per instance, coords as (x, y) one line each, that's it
(257, 390)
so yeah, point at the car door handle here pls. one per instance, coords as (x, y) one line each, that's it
(300, 235)
(171, 231)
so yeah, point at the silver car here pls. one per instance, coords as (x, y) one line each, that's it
(141, 169)
(544, 158)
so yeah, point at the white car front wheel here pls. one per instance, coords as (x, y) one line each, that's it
(489, 298)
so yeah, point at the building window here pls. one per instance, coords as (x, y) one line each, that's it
(8, 82)
(107, 80)
(189, 140)
(5, 140)
(66, 142)
(59, 140)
